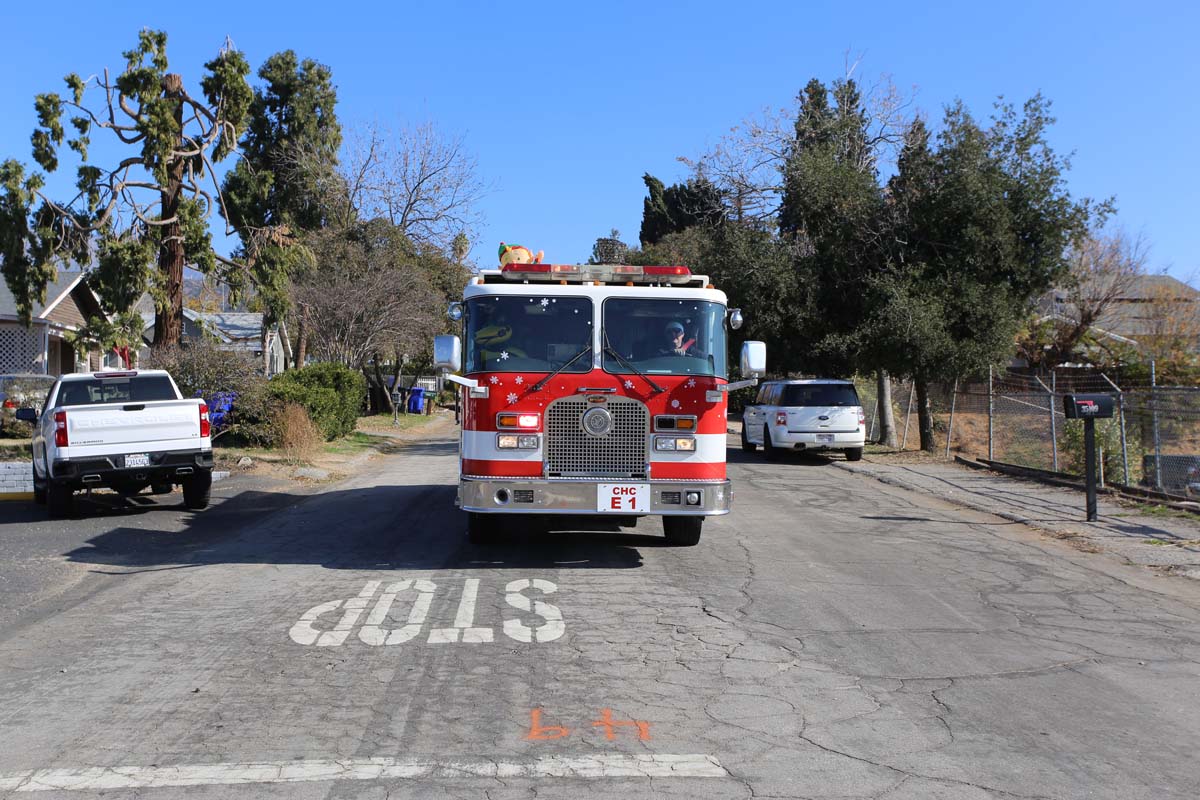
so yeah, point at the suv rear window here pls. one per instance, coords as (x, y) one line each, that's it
(819, 394)
(129, 389)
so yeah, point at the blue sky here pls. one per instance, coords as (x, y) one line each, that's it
(566, 105)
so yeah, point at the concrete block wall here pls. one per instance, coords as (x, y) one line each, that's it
(16, 477)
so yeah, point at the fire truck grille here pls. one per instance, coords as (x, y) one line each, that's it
(621, 453)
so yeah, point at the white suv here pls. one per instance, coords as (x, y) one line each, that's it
(805, 415)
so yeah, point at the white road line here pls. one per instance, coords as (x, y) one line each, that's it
(361, 769)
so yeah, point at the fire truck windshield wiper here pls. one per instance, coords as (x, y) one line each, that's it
(537, 386)
(608, 348)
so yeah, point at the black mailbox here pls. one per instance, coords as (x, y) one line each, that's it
(1088, 406)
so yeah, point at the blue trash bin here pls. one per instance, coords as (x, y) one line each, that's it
(416, 400)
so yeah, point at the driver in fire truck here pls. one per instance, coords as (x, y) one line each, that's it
(674, 343)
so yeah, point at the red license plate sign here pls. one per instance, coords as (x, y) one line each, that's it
(623, 498)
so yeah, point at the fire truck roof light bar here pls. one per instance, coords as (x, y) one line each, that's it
(604, 273)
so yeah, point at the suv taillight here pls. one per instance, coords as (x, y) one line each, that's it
(781, 418)
(205, 425)
(60, 429)
(862, 417)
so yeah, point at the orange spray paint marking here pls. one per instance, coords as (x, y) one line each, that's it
(541, 733)
(608, 723)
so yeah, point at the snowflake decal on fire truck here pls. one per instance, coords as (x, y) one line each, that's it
(545, 302)
(691, 384)
(504, 355)
(674, 404)
(520, 379)
(512, 398)
(494, 380)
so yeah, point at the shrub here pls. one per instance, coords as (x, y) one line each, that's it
(331, 394)
(230, 382)
(298, 436)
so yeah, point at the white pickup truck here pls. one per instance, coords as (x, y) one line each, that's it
(120, 430)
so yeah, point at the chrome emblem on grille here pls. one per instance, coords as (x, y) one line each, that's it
(597, 421)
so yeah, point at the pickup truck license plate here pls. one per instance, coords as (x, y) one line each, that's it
(824, 437)
(137, 460)
(623, 498)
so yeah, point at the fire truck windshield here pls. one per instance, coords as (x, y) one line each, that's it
(506, 333)
(666, 337)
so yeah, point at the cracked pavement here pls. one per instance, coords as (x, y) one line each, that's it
(834, 637)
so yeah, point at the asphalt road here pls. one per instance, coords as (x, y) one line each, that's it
(834, 637)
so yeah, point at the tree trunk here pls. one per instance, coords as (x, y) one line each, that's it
(383, 387)
(287, 344)
(925, 416)
(264, 341)
(302, 337)
(168, 318)
(887, 421)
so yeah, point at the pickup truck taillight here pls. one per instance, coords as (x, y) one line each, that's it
(60, 429)
(205, 425)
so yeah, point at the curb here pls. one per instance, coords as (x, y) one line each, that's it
(14, 496)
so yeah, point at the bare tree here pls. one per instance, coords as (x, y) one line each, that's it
(371, 293)
(417, 178)
(1104, 267)
(747, 164)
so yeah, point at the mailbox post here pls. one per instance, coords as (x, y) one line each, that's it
(1089, 408)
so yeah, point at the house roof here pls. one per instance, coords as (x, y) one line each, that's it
(233, 324)
(55, 291)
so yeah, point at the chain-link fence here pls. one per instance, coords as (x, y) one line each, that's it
(1153, 439)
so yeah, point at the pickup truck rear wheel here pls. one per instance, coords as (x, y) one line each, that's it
(60, 500)
(683, 531)
(747, 445)
(854, 453)
(39, 489)
(196, 490)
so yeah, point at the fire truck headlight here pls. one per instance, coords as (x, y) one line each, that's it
(513, 441)
(685, 444)
(664, 443)
(672, 443)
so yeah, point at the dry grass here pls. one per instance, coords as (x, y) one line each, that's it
(299, 438)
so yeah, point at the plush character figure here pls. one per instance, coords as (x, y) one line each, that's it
(516, 254)
(491, 341)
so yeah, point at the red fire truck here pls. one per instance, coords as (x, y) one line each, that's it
(594, 389)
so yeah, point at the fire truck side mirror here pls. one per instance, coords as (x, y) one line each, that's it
(447, 353)
(735, 318)
(754, 359)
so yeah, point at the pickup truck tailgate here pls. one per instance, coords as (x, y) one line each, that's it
(134, 427)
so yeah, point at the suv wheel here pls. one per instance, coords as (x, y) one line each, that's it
(772, 452)
(854, 453)
(747, 445)
(683, 531)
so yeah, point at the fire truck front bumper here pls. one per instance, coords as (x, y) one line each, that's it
(533, 496)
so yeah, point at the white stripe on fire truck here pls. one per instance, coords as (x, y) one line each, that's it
(481, 445)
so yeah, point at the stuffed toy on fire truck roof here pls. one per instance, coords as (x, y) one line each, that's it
(516, 254)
